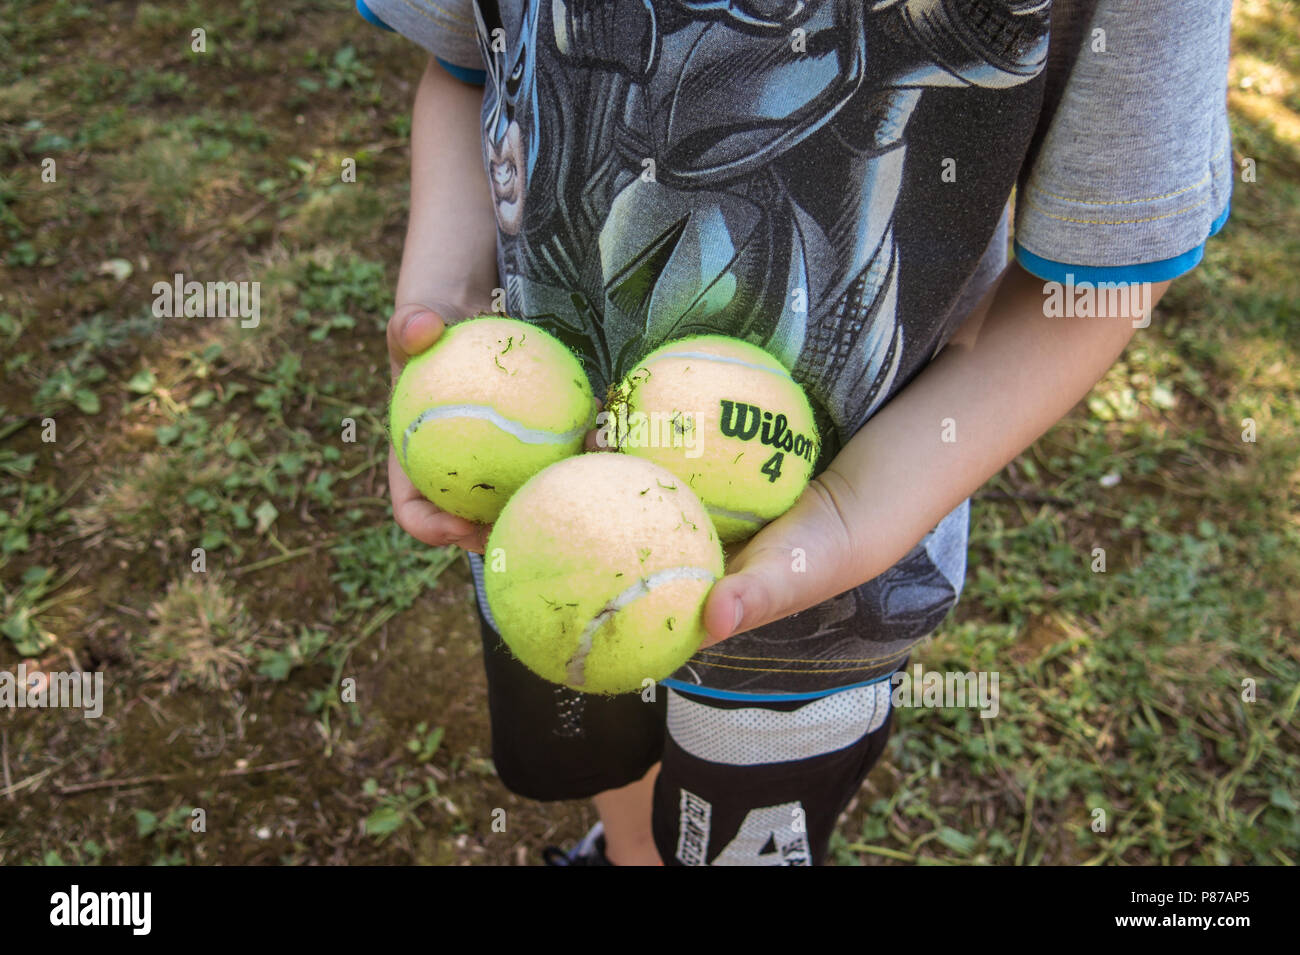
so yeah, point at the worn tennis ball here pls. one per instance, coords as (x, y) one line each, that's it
(597, 570)
(727, 418)
(488, 406)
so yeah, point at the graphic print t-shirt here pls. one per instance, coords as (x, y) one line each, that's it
(829, 180)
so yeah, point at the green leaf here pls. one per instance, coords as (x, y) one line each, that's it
(432, 743)
(36, 575)
(239, 514)
(383, 820)
(956, 841)
(266, 515)
(214, 539)
(291, 464)
(146, 822)
(142, 382)
(276, 666)
(87, 401)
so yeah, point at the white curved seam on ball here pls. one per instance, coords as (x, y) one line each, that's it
(577, 665)
(744, 516)
(722, 359)
(490, 414)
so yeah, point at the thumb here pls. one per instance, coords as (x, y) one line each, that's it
(761, 586)
(797, 561)
(412, 328)
(415, 326)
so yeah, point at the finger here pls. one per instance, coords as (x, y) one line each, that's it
(411, 330)
(476, 540)
(423, 521)
(600, 437)
(419, 517)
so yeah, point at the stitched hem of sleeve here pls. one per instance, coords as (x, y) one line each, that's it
(1158, 271)
(369, 16)
(1090, 229)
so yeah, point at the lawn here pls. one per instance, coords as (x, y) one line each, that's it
(198, 509)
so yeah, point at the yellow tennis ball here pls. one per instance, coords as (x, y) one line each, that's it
(727, 418)
(488, 406)
(597, 570)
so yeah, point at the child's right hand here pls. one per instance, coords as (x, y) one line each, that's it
(414, 328)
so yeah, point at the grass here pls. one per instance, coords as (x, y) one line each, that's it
(199, 509)
(200, 636)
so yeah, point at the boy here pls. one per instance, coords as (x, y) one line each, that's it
(828, 179)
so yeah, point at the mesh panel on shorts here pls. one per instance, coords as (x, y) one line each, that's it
(752, 736)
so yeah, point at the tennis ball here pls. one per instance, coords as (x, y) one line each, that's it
(488, 406)
(727, 418)
(596, 572)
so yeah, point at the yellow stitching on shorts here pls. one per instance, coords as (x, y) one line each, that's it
(722, 666)
(1125, 202)
(729, 656)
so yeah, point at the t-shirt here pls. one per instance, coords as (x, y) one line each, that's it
(831, 180)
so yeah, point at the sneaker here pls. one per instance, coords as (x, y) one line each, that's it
(590, 851)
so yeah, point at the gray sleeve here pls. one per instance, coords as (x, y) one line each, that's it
(443, 27)
(1135, 163)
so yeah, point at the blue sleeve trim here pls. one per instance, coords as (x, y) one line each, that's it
(707, 691)
(370, 17)
(462, 73)
(1221, 221)
(1160, 271)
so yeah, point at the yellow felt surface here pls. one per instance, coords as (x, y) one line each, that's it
(576, 536)
(467, 464)
(675, 389)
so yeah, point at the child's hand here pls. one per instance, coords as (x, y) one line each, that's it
(793, 563)
(900, 473)
(414, 328)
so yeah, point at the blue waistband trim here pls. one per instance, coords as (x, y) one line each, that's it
(764, 697)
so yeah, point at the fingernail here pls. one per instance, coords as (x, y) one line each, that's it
(425, 316)
(740, 615)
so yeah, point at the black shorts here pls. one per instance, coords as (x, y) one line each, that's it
(741, 782)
